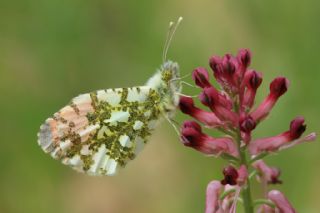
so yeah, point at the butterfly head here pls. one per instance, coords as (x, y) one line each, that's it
(171, 86)
(170, 72)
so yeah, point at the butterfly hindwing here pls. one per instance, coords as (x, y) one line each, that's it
(101, 131)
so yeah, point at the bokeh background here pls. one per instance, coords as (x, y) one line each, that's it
(53, 50)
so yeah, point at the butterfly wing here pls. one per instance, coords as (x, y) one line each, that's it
(101, 131)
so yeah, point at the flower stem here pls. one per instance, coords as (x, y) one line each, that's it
(246, 191)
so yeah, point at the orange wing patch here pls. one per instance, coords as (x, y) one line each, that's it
(67, 124)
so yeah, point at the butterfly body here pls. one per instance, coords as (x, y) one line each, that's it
(99, 132)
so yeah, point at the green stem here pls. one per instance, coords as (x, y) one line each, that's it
(247, 200)
(246, 191)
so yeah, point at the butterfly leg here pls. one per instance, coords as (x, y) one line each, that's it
(172, 124)
(188, 96)
(188, 84)
(178, 79)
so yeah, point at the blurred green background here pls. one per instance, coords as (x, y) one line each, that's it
(53, 50)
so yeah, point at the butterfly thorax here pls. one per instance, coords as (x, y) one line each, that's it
(166, 83)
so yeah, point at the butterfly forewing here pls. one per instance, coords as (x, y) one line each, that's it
(101, 131)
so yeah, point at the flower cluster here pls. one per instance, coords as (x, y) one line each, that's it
(231, 110)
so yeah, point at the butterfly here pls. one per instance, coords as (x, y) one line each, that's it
(98, 133)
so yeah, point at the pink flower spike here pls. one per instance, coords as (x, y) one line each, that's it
(232, 111)
(277, 88)
(212, 196)
(268, 174)
(281, 202)
(186, 105)
(201, 77)
(192, 136)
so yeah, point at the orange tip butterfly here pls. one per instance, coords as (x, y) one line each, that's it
(99, 132)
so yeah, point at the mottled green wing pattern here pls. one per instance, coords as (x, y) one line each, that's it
(99, 132)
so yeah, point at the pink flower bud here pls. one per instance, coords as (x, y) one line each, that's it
(277, 88)
(216, 66)
(225, 70)
(252, 80)
(218, 104)
(229, 65)
(247, 124)
(244, 56)
(231, 72)
(297, 128)
(268, 174)
(201, 77)
(192, 136)
(276, 143)
(281, 202)
(186, 105)
(212, 196)
(232, 176)
(211, 95)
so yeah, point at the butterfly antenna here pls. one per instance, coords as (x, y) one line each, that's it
(188, 84)
(171, 31)
(166, 42)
